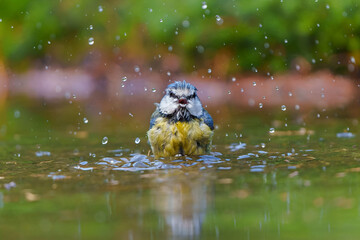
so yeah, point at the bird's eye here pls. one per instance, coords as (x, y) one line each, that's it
(192, 96)
(172, 95)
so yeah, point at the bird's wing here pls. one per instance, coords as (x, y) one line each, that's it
(154, 116)
(208, 119)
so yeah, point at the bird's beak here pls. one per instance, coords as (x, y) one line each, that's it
(183, 102)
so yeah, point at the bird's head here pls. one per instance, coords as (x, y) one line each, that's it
(181, 102)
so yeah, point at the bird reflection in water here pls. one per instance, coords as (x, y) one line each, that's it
(183, 199)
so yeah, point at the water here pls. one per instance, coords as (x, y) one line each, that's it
(298, 182)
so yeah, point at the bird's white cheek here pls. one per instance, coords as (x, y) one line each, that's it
(168, 105)
(195, 108)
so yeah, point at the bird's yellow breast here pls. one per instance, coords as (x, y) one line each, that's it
(187, 138)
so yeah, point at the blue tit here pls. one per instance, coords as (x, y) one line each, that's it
(180, 124)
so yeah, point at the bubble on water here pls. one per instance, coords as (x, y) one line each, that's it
(204, 5)
(313, 60)
(260, 25)
(100, 8)
(272, 130)
(122, 85)
(124, 79)
(297, 67)
(290, 94)
(85, 120)
(161, 20)
(105, 140)
(233, 79)
(150, 10)
(327, 6)
(285, 41)
(209, 70)
(168, 73)
(254, 84)
(260, 105)
(229, 92)
(283, 108)
(318, 24)
(170, 48)
(219, 20)
(322, 95)
(137, 140)
(91, 41)
(153, 90)
(136, 68)
(17, 114)
(241, 90)
(297, 107)
(0, 19)
(277, 88)
(130, 114)
(263, 145)
(318, 115)
(91, 27)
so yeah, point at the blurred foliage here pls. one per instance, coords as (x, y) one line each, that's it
(240, 36)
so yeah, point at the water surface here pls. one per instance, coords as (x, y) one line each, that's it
(269, 176)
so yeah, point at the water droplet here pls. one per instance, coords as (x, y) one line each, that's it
(150, 10)
(260, 105)
(352, 59)
(85, 120)
(209, 70)
(124, 79)
(137, 140)
(219, 20)
(17, 114)
(91, 41)
(170, 48)
(241, 90)
(153, 90)
(105, 140)
(327, 6)
(254, 84)
(233, 79)
(272, 130)
(161, 20)
(186, 23)
(204, 5)
(229, 92)
(263, 145)
(91, 27)
(297, 67)
(297, 107)
(285, 41)
(283, 108)
(318, 115)
(277, 88)
(168, 73)
(131, 115)
(100, 8)
(290, 94)
(137, 69)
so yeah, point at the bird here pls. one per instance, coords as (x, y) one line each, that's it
(180, 125)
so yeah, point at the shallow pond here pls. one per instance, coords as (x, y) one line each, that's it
(67, 173)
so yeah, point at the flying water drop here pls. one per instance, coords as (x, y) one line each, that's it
(91, 41)
(105, 140)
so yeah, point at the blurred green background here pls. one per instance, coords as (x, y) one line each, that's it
(227, 36)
